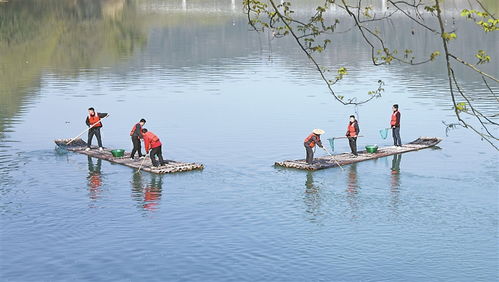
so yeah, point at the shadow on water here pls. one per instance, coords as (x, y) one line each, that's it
(147, 194)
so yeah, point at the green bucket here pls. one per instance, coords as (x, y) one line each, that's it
(371, 148)
(118, 153)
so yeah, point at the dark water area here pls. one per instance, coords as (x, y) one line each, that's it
(219, 94)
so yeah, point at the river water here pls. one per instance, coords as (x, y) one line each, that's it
(219, 94)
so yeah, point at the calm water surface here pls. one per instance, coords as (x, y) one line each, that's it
(221, 95)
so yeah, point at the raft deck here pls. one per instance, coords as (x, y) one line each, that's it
(348, 158)
(79, 146)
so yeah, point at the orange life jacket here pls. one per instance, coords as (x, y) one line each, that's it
(133, 129)
(351, 129)
(394, 118)
(151, 140)
(95, 181)
(309, 140)
(151, 194)
(94, 119)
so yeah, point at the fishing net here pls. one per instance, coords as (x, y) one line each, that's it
(331, 143)
(384, 133)
(63, 143)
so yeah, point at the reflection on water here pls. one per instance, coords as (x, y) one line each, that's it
(395, 169)
(353, 190)
(66, 37)
(395, 183)
(312, 198)
(94, 178)
(204, 81)
(147, 193)
(72, 38)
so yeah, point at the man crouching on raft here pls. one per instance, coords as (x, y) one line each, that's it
(309, 143)
(152, 142)
(94, 122)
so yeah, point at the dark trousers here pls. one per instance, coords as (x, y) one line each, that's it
(157, 152)
(353, 144)
(136, 146)
(396, 136)
(310, 154)
(94, 131)
(396, 162)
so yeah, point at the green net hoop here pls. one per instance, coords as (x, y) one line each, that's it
(331, 143)
(384, 133)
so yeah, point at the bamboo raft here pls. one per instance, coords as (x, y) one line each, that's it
(348, 158)
(79, 146)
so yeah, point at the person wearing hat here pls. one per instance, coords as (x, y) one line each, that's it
(310, 142)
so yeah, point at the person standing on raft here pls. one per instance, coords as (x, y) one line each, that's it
(395, 125)
(310, 142)
(94, 122)
(152, 142)
(136, 134)
(352, 133)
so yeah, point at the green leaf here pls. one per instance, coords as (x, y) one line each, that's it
(461, 106)
(434, 55)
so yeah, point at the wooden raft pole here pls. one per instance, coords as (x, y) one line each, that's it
(347, 158)
(79, 146)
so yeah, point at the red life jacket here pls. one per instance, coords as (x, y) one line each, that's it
(151, 140)
(94, 119)
(95, 181)
(309, 140)
(151, 198)
(133, 129)
(351, 129)
(393, 122)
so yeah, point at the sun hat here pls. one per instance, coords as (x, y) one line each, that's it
(318, 131)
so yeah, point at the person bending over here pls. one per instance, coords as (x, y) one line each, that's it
(152, 142)
(310, 142)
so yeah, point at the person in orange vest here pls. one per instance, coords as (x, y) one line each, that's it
(395, 125)
(94, 119)
(310, 142)
(352, 133)
(136, 134)
(152, 142)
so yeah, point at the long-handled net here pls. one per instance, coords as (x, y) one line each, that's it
(331, 143)
(384, 133)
